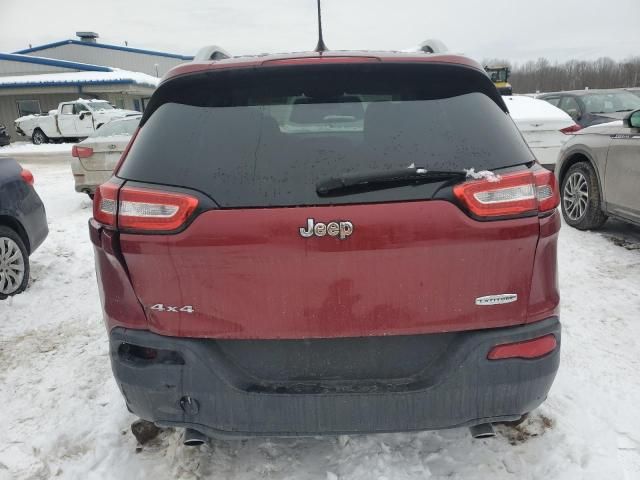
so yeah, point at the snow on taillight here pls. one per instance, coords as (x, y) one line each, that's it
(27, 176)
(81, 152)
(509, 195)
(570, 130)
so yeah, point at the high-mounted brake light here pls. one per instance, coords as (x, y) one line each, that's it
(81, 152)
(538, 347)
(141, 209)
(322, 60)
(509, 195)
(571, 129)
(27, 176)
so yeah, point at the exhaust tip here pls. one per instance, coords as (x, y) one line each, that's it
(484, 430)
(194, 438)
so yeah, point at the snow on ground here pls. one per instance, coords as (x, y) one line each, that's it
(64, 417)
(27, 148)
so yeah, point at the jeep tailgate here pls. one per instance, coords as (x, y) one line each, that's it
(407, 268)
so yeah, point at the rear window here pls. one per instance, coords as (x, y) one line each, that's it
(117, 127)
(260, 137)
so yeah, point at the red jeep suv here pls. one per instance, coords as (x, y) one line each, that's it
(328, 243)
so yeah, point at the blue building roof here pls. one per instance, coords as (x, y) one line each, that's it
(103, 45)
(84, 67)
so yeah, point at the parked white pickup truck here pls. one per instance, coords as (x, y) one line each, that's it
(71, 121)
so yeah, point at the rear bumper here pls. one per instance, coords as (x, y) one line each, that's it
(460, 387)
(86, 181)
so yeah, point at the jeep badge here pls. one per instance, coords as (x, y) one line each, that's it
(341, 230)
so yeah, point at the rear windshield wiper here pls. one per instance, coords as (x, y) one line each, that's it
(366, 182)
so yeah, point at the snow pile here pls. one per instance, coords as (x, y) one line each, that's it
(81, 78)
(526, 111)
(482, 174)
(63, 417)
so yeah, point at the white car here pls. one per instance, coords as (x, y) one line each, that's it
(544, 127)
(72, 120)
(95, 157)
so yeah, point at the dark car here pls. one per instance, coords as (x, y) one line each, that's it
(5, 139)
(592, 107)
(329, 243)
(23, 226)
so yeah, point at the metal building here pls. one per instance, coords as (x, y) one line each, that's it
(88, 50)
(36, 80)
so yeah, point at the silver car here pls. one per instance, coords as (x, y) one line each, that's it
(599, 174)
(95, 157)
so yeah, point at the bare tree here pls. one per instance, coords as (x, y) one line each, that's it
(543, 76)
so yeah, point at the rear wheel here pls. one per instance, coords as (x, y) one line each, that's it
(581, 200)
(38, 137)
(14, 263)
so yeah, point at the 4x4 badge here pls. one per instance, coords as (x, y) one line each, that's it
(340, 229)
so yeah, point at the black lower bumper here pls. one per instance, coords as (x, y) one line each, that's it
(198, 383)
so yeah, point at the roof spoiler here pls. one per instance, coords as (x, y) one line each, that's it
(433, 45)
(211, 52)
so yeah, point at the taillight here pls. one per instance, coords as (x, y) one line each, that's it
(141, 209)
(535, 348)
(27, 176)
(81, 152)
(547, 190)
(105, 202)
(509, 195)
(571, 129)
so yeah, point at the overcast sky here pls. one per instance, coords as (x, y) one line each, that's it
(518, 30)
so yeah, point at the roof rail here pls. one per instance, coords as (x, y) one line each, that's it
(433, 45)
(211, 52)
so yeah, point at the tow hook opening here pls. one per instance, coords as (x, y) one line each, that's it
(140, 355)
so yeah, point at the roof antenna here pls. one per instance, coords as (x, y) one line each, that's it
(321, 47)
